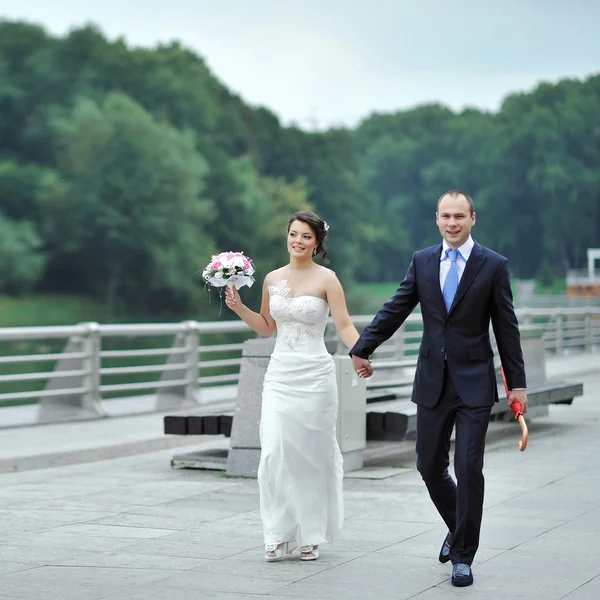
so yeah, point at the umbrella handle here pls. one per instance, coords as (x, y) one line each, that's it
(519, 416)
(525, 433)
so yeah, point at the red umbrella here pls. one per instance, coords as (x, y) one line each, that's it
(517, 411)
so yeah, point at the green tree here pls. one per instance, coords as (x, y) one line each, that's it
(254, 220)
(19, 190)
(133, 165)
(21, 258)
(128, 220)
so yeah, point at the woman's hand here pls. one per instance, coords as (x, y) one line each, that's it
(362, 366)
(232, 298)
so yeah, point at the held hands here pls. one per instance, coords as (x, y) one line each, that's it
(232, 299)
(518, 396)
(362, 366)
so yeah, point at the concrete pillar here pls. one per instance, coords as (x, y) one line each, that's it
(244, 450)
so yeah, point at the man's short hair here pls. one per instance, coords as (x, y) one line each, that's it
(454, 194)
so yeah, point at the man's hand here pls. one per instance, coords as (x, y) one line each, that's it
(519, 396)
(362, 366)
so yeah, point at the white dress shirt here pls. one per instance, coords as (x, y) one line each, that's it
(461, 260)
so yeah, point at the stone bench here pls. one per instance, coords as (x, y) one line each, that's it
(393, 420)
(380, 410)
(390, 380)
(396, 420)
(388, 383)
(199, 424)
(244, 453)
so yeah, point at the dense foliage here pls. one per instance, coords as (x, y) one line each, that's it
(123, 169)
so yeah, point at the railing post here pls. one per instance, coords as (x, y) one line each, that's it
(589, 337)
(182, 368)
(560, 338)
(400, 338)
(91, 365)
(526, 318)
(192, 358)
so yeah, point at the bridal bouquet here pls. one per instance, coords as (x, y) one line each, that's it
(229, 268)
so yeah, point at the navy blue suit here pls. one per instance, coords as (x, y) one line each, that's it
(455, 382)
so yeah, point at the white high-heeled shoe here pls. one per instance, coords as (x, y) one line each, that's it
(275, 552)
(312, 552)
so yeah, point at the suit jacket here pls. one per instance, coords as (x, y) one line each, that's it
(461, 335)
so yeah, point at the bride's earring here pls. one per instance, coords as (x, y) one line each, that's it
(315, 252)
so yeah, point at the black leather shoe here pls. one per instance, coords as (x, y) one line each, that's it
(445, 551)
(461, 575)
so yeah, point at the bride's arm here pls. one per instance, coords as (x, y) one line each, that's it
(337, 305)
(262, 322)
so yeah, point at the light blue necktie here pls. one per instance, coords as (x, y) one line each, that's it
(451, 283)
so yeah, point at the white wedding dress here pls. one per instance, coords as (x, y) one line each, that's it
(300, 473)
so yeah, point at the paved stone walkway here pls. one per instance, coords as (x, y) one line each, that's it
(132, 528)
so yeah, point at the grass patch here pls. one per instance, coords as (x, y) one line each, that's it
(51, 309)
(381, 291)
(556, 287)
(368, 298)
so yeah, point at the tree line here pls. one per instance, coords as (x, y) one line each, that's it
(123, 169)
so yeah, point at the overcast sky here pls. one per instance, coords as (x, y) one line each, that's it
(333, 62)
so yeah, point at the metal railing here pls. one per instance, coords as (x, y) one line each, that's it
(82, 368)
(565, 329)
(548, 301)
(583, 276)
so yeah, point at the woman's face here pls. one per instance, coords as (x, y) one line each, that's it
(301, 240)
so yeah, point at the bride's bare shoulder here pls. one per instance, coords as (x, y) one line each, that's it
(273, 277)
(328, 274)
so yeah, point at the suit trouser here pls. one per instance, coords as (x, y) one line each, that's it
(459, 504)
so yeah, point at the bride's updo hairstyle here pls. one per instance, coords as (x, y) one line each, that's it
(319, 228)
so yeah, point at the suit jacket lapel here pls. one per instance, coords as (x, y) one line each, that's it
(472, 267)
(433, 277)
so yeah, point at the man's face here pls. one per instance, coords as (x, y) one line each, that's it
(454, 220)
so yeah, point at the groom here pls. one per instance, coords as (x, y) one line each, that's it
(461, 287)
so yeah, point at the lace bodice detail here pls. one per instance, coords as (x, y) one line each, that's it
(300, 321)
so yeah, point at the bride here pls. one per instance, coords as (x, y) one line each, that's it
(300, 471)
